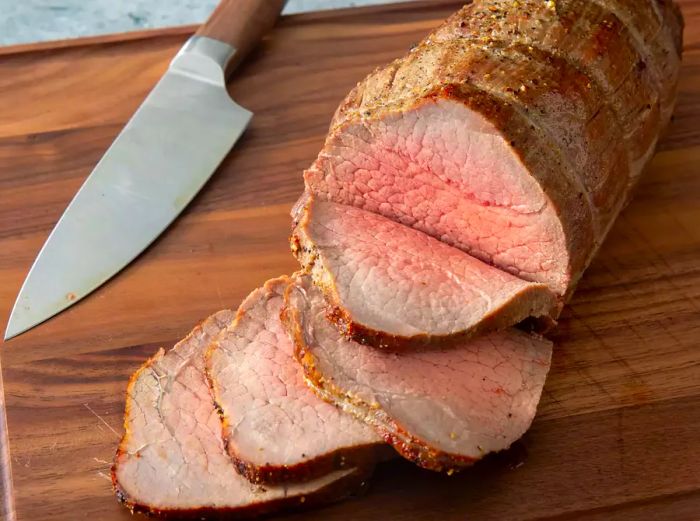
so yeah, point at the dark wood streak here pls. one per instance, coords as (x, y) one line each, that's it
(7, 497)
(616, 432)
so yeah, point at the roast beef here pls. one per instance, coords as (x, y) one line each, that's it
(392, 286)
(275, 428)
(456, 186)
(442, 408)
(172, 460)
(514, 131)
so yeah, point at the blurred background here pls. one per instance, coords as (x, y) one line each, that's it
(25, 21)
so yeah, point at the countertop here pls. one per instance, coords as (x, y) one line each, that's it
(42, 20)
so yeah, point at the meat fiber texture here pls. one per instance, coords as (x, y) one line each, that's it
(172, 461)
(393, 286)
(274, 427)
(442, 408)
(514, 132)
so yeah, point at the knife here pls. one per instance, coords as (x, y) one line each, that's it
(160, 160)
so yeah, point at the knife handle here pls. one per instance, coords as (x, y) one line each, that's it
(241, 24)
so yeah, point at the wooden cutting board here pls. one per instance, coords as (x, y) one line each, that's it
(616, 436)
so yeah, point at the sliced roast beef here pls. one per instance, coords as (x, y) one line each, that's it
(442, 408)
(393, 286)
(275, 428)
(514, 132)
(172, 460)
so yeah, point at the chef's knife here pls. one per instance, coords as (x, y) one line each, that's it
(159, 161)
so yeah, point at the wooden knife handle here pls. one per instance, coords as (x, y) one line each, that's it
(242, 24)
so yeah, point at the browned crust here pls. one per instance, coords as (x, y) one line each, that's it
(499, 319)
(360, 455)
(410, 447)
(543, 304)
(348, 457)
(677, 25)
(603, 47)
(590, 37)
(353, 484)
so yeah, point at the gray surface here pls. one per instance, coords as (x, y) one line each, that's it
(24, 21)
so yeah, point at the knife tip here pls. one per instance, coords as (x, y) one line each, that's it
(12, 330)
(10, 334)
(16, 326)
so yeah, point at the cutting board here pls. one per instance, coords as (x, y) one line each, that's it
(616, 436)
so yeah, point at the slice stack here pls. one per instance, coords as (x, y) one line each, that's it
(172, 459)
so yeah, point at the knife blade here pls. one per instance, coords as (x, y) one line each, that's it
(166, 152)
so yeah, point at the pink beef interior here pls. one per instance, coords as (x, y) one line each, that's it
(445, 170)
(271, 417)
(466, 400)
(172, 457)
(399, 281)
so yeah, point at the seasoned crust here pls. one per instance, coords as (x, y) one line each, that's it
(353, 484)
(345, 458)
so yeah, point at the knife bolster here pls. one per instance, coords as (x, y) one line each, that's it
(204, 58)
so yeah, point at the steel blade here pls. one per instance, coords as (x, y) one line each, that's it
(160, 160)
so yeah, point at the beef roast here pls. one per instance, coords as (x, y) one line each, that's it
(275, 428)
(172, 460)
(391, 286)
(457, 186)
(442, 408)
(514, 131)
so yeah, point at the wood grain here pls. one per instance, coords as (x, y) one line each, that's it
(616, 434)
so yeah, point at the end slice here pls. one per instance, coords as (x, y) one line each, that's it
(393, 286)
(275, 428)
(442, 408)
(171, 460)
